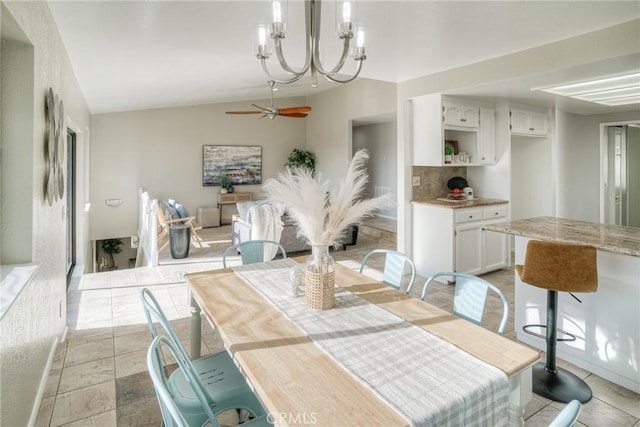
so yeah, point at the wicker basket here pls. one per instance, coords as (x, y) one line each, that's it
(320, 290)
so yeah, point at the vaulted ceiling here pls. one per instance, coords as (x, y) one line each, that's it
(130, 55)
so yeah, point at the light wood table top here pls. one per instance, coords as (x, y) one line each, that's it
(294, 376)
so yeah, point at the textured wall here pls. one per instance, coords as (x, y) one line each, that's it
(34, 323)
(161, 150)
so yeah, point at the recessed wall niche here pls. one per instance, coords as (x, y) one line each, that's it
(17, 123)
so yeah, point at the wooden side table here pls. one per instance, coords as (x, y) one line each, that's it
(232, 199)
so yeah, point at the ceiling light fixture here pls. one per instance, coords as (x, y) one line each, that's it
(611, 91)
(345, 30)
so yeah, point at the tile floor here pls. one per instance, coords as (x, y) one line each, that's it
(99, 374)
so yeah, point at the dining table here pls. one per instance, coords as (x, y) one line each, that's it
(379, 357)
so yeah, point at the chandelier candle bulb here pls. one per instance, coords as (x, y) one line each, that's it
(263, 49)
(277, 12)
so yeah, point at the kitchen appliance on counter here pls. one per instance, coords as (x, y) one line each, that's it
(459, 189)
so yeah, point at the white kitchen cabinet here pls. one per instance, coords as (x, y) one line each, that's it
(529, 122)
(454, 239)
(437, 119)
(487, 138)
(460, 114)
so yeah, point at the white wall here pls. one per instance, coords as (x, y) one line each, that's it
(531, 177)
(161, 150)
(578, 166)
(34, 323)
(379, 139)
(329, 124)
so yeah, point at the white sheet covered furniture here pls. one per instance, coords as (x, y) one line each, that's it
(242, 224)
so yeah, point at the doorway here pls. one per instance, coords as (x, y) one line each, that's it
(71, 203)
(621, 174)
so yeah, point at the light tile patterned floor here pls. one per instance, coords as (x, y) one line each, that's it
(99, 374)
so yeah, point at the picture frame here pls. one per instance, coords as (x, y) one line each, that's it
(241, 163)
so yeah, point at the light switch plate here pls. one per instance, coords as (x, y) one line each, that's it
(416, 181)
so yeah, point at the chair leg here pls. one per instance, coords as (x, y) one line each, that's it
(550, 381)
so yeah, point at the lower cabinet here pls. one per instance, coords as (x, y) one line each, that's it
(454, 239)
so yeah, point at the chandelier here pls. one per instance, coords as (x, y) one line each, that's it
(345, 30)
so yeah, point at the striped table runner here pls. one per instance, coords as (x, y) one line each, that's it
(429, 381)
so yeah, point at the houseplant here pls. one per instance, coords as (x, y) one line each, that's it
(323, 216)
(111, 247)
(224, 183)
(448, 153)
(301, 158)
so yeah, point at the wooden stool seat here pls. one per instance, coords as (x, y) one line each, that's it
(566, 268)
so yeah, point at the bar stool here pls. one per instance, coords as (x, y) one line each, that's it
(558, 267)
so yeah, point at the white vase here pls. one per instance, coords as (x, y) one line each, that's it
(320, 279)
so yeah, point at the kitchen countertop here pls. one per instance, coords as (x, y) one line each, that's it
(605, 237)
(456, 204)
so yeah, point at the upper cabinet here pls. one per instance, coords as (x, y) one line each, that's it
(442, 124)
(529, 122)
(461, 115)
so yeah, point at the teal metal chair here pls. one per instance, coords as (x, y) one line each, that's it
(224, 385)
(252, 251)
(394, 266)
(568, 416)
(470, 295)
(173, 414)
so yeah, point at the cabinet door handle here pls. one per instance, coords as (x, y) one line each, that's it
(532, 128)
(463, 120)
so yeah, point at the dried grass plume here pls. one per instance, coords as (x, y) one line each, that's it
(322, 213)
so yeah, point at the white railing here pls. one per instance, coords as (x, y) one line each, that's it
(147, 230)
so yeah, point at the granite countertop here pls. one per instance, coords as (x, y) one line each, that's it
(456, 204)
(605, 237)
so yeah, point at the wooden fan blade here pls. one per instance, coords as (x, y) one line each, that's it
(293, 114)
(294, 110)
(243, 112)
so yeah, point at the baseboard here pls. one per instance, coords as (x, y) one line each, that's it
(43, 381)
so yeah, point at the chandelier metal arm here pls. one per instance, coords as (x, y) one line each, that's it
(295, 78)
(339, 65)
(312, 60)
(350, 79)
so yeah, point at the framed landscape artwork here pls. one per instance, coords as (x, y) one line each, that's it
(241, 163)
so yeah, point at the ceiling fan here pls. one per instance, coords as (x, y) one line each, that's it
(272, 111)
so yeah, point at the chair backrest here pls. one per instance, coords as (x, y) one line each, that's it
(171, 413)
(560, 266)
(253, 251)
(470, 295)
(394, 266)
(568, 416)
(154, 313)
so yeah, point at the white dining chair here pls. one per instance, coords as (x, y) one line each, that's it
(394, 266)
(470, 295)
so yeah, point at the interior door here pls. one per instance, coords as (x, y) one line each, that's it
(71, 201)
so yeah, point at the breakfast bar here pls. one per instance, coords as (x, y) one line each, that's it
(606, 322)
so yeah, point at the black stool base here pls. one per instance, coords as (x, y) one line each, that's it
(563, 386)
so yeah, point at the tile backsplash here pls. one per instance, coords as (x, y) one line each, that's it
(433, 180)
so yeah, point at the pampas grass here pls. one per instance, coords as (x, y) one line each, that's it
(322, 213)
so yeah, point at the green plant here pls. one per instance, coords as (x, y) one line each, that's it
(224, 181)
(448, 150)
(111, 247)
(302, 158)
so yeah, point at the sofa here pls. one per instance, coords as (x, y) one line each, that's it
(241, 229)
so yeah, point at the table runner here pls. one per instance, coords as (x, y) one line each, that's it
(427, 380)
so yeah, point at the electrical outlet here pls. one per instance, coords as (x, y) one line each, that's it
(416, 181)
